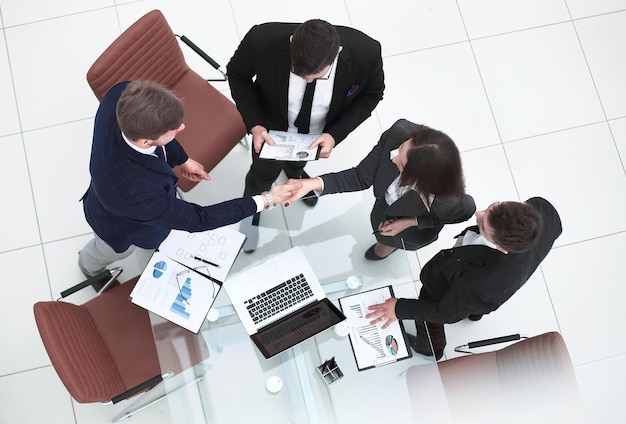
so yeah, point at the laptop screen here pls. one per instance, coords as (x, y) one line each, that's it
(297, 327)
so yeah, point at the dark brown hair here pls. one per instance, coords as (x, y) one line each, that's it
(516, 226)
(148, 110)
(433, 164)
(314, 45)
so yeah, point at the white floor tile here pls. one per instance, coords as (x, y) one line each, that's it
(50, 59)
(60, 178)
(35, 396)
(403, 27)
(247, 14)
(583, 8)
(537, 81)
(16, 12)
(20, 227)
(483, 18)
(24, 282)
(440, 88)
(558, 167)
(10, 123)
(585, 281)
(524, 74)
(607, 63)
(211, 27)
(618, 128)
(601, 385)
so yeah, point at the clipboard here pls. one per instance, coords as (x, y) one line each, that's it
(291, 147)
(371, 345)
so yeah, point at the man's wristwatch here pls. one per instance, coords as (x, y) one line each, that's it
(269, 199)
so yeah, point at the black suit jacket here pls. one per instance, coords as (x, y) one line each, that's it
(477, 279)
(378, 171)
(264, 53)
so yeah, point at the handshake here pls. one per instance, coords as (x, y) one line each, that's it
(294, 190)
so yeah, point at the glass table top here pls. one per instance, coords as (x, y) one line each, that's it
(239, 385)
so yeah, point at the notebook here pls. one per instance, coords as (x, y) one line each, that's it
(281, 303)
(185, 275)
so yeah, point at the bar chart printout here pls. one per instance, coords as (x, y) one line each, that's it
(175, 292)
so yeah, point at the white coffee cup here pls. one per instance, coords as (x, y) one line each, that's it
(342, 329)
(274, 384)
(353, 282)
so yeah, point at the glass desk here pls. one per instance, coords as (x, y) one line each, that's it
(229, 386)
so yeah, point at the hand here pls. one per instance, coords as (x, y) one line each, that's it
(260, 136)
(383, 313)
(281, 193)
(394, 226)
(327, 142)
(308, 184)
(194, 171)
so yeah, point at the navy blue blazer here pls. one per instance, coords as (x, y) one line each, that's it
(264, 54)
(377, 170)
(131, 199)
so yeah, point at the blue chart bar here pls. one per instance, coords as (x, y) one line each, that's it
(178, 306)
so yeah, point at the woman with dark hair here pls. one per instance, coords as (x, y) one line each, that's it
(418, 183)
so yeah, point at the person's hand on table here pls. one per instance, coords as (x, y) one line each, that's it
(383, 313)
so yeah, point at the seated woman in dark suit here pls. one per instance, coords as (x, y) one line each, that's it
(418, 183)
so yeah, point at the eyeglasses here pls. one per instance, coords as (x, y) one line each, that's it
(184, 289)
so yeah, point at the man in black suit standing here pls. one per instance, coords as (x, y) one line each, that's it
(311, 78)
(487, 265)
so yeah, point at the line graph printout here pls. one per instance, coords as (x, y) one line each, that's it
(372, 345)
(211, 251)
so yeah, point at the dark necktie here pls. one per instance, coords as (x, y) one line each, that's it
(160, 152)
(303, 121)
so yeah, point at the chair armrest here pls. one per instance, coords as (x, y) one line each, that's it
(137, 389)
(488, 342)
(202, 54)
(109, 274)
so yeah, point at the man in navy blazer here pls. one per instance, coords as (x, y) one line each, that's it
(131, 200)
(269, 72)
(487, 265)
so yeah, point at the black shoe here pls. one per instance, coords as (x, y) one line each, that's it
(371, 255)
(475, 317)
(423, 348)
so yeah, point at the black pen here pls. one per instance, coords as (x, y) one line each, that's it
(375, 231)
(207, 262)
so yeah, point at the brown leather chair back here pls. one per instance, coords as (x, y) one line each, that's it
(149, 50)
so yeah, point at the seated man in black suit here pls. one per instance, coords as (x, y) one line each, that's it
(338, 70)
(487, 265)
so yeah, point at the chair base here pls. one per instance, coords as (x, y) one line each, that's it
(143, 403)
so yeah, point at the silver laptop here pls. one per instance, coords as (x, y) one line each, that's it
(281, 303)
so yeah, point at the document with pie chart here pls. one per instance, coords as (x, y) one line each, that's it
(175, 292)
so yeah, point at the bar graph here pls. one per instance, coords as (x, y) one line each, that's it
(182, 299)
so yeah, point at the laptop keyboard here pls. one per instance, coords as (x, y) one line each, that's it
(278, 298)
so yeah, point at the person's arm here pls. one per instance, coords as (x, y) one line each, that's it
(367, 97)
(241, 70)
(448, 209)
